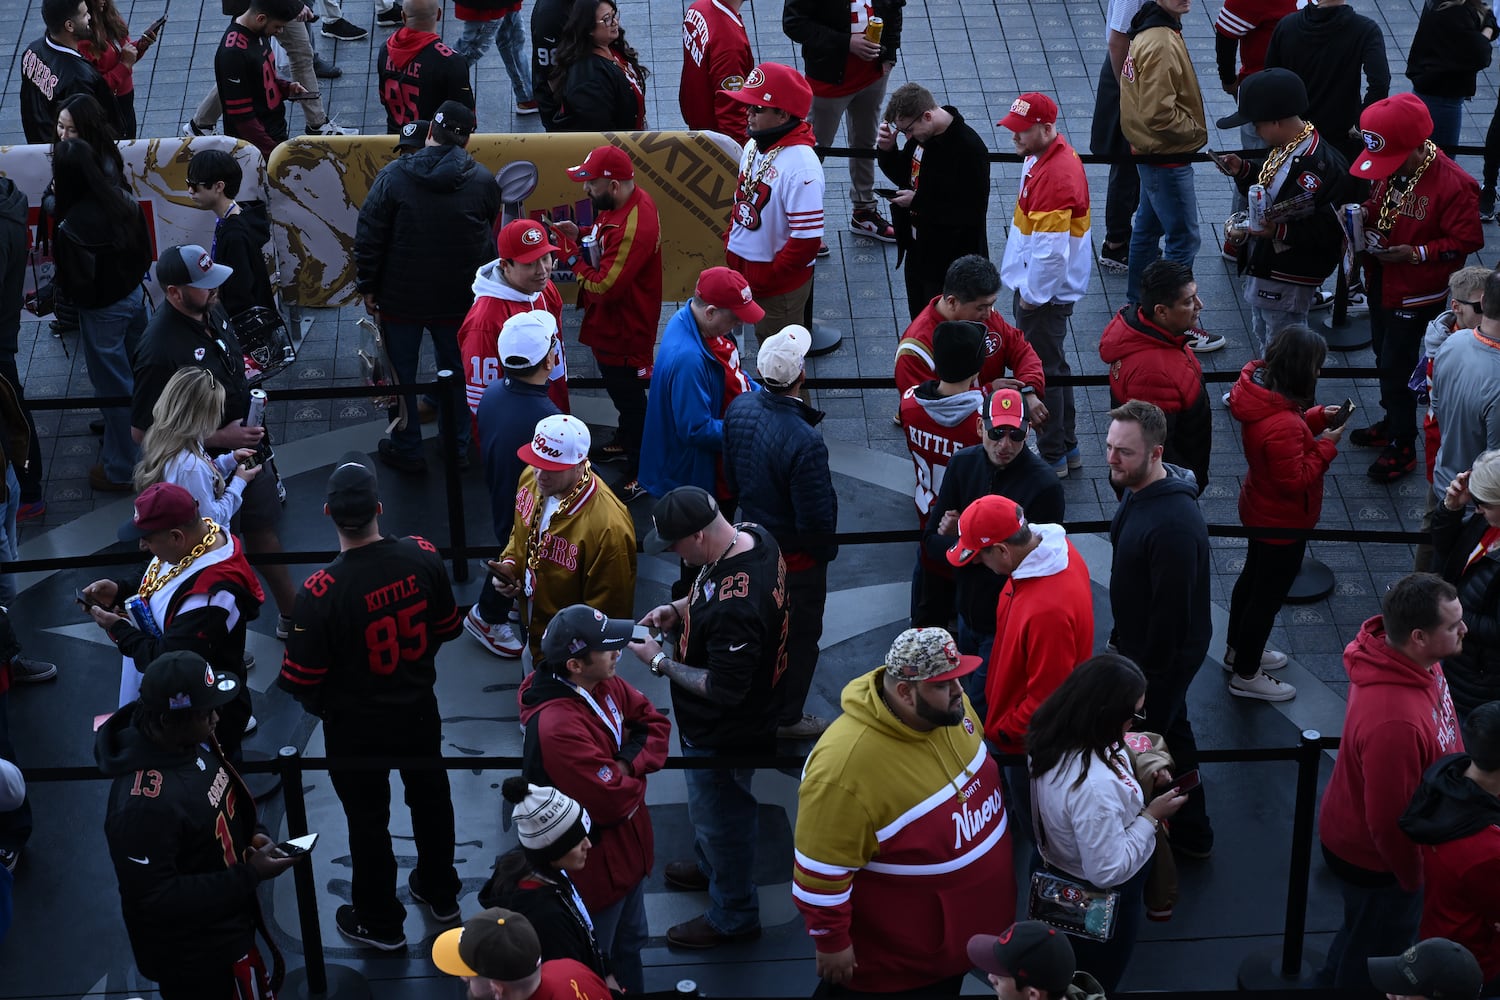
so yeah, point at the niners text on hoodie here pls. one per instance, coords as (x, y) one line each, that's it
(417, 74)
(903, 845)
(1399, 720)
(1457, 824)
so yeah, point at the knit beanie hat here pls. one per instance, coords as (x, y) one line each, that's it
(549, 823)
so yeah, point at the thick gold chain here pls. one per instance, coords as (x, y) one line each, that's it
(1390, 206)
(749, 184)
(154, 579)
(1279, 155)
(534, 539)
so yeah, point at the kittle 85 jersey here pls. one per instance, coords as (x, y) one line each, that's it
(367, 627)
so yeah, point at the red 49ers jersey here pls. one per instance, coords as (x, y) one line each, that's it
(715, 56)
(933, 437)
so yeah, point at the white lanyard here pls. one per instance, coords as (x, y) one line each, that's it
(613, 720)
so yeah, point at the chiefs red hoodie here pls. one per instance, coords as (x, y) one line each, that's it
(1399, 720)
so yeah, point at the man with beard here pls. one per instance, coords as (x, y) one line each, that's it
(620, 292)
(52, 69)
(519, 280)
(1158, 591)
(245, 71)
(902, 776)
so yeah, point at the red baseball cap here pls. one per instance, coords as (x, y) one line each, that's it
(159, 507)
(1004, 408)
(775, 86)
(726, 288)
(523, 241)
(987, 521)
(1391, 128)
(1028, 110)
(604, 161)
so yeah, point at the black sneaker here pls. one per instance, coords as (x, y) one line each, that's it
(632, 490)
(1373, 436)
(324, 70)
(390, 18)
(399, 460)
(343, 31)
(444, 911)
(1115, 258)
(9, 858)
(1487, 204)
(610, 451)
(1394, 462)
(352, 928)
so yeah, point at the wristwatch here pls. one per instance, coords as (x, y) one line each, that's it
(656, 662)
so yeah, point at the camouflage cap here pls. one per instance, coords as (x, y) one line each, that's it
(927, 654)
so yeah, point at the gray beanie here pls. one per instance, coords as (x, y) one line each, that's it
(548, 822)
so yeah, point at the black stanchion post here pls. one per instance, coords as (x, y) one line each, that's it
(449, 403)
(313, 979)
(1294, 970)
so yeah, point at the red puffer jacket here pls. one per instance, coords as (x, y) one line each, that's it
(1283, 486)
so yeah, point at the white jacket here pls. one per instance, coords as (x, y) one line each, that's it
(1095, 831)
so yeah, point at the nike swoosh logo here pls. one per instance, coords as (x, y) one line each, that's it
(231, 79)
(736, 649)
(140, 861)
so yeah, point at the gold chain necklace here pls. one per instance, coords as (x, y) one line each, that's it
(155, 580)
(702, 576)
(1390, 205)
(750, 183)
(1280, 155)
(533, 541)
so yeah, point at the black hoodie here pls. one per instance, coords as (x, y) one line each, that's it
(1448, 806)
(178, 823)
(1326, 46)
(239, 242)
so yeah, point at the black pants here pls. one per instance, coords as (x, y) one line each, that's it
(414, 731)
(1261, 589)
(1166, 713)
(925, 269)
(806, 595)
(12, 296)
(1491, 149)
(1123, 195)
(493, 606)
(627, 390)
(1397, 338)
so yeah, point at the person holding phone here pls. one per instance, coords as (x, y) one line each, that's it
(1095, 822)
(1466, 551)
(1289, 443)
(114, 54)
(190, 408)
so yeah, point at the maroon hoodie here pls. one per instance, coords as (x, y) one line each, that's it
(1398, 721)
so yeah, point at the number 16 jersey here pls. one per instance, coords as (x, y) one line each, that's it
(367, 627)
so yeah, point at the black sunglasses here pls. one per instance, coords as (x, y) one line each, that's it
(1001, 433)
(1472, 305)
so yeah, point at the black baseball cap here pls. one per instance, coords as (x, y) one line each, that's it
(456, 118)
(682, 512)
(1029, 952)
(579, 628)
(413, 135)
(1437, 968)
(353, 491)
(183, 680)
(1267, 96)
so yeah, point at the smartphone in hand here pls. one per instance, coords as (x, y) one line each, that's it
(296, 847)
(87, 602)
(1341, 417)
(1185, 783)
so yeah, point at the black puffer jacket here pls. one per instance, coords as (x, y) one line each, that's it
(1474, 673)
(1448, 51)
(99, 263)
(822, 27)
(186, 908)
(776, 464)
(426, 226)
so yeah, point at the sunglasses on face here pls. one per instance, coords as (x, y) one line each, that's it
(1001, 433)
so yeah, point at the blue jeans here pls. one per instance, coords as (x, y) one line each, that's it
(404, 342)
(723, 812)
(1168, 207)
(1379, 921)
(108, 334)
(620, 930)
(1447, 118)
(972, 643)
(510, 41)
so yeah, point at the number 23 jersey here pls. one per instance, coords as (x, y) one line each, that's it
(367, 627)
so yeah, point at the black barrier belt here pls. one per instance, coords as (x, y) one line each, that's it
(276, 395)
(850, 153)
(781, 762)
(889, 382)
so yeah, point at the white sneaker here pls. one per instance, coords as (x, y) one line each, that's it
(1270, 659)
(1321, 300)
(1262, 687)
(498, 639)
(1358, 305)
(1200, 341)
(331, 127)
(251, 725)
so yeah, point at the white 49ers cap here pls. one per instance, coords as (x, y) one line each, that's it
(561, 442)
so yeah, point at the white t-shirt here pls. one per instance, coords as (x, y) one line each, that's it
(1122, 12)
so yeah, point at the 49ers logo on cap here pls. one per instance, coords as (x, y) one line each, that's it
(1374, 141)
(756, 79)
(1021, 107)
(532, 237)
(950, 652)
(205, 263)
(542, 446)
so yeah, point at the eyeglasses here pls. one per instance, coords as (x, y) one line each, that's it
(1472, 305)
(905, 129)
(1485, 504)
(212, 385)
(1139, 716)
(194, 185)
(609, 19)
(759, 109)
(1001, 433)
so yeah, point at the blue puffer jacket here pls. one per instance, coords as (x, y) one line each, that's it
(684, 433)
(776, 464)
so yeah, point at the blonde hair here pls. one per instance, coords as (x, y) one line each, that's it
(1468, 283)
(190, 408)
(1484, 478)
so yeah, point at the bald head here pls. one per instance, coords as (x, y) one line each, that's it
(422, 15)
